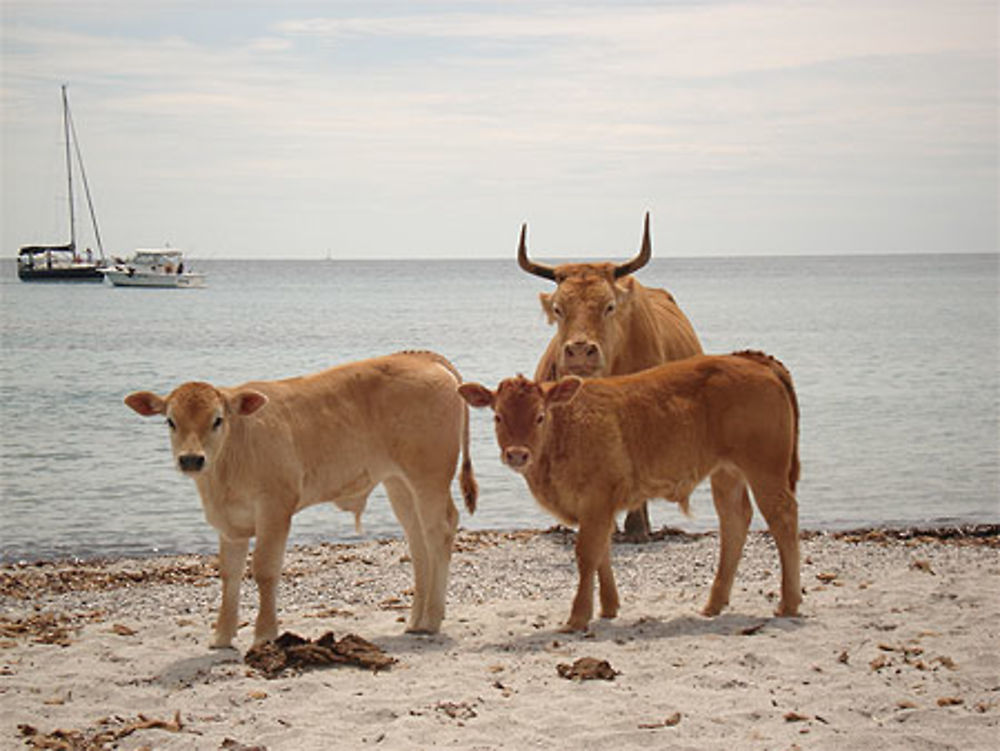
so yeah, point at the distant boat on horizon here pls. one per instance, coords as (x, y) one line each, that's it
(63, 263)
(154, 267)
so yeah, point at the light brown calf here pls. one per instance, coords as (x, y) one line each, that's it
(588, 449)
(260, 452)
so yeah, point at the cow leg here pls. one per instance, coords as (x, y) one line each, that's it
(608, 590)
(592, 547)
(781, 510)
(268, 557)
(232, 563)
(637, 524)
(403, 507)
(732, 504)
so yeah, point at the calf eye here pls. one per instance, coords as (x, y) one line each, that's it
(540, 419)
(217, 424)
(610, 309)
(171, 424)
(557, 310)
(496, 419)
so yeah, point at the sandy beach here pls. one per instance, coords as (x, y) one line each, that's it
(898, 647)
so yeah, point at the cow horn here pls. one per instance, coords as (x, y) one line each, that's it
(645, 253)
(538, 269)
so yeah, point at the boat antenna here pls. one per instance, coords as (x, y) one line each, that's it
(69, 170)
(83, 175)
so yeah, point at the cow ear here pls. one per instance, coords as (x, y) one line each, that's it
(247, 401)
(547, 305)
(563, 390)
(476, 395)
(146, 403)
(624, 291)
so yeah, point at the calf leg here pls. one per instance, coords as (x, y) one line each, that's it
(232, 563)
(732, 504)
(438, 522)
(403, 507)
(592, 548)
(268, 557)
(608, 590)
(778, 505)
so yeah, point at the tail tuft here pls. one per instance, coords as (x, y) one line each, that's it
(470, 488)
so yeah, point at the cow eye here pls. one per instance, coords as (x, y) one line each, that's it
(171, 424)
(557, 310)
(217, 424)
(610, 309)
(540, 419)
(496, 419)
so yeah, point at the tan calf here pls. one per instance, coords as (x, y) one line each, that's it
(260, 452)
(588, 449)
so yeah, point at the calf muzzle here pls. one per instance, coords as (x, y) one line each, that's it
(191, 462)
(516, 457)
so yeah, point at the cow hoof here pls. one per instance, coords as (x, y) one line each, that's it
(573, 628)
(787, 612)
(710, 611)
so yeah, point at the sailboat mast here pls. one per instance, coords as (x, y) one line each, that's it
(69, 170)
(86, 186)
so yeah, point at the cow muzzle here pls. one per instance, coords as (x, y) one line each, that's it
(516, 457)
(582, 358)
(191, 463)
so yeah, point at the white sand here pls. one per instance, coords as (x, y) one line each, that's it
(897, 648)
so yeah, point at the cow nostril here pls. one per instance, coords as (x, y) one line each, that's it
(592, 350)
(191, 462)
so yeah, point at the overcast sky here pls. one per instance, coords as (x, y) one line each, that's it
(403, 129)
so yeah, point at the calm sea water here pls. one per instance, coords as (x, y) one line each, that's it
(895, 360)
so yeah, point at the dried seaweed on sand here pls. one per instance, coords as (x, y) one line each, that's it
(291, 651)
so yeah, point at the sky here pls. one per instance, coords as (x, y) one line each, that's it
(302, 129)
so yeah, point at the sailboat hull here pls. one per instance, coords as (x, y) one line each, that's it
(76, 273)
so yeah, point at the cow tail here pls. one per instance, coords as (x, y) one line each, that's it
(786, 380)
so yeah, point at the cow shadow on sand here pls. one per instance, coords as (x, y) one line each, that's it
(647, 628)
(195, 669)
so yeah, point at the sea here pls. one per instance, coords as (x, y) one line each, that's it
(895, 359)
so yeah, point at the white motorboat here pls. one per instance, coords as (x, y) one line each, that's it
(157, 267)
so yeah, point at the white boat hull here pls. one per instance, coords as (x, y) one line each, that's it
(144, 279)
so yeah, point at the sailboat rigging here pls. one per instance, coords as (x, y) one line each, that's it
(63, 262)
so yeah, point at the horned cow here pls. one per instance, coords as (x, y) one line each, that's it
(260, 452)
(608, 323)
(588, 449)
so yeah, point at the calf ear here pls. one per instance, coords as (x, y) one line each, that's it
(146, 403)
(563, 390)
(247, 402)
(476, 395)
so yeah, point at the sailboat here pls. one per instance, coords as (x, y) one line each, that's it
(64, 263)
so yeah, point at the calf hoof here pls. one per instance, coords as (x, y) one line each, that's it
(787, 611)
(711, 610)
(221, 642)
(419, 631)
(573, 627)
